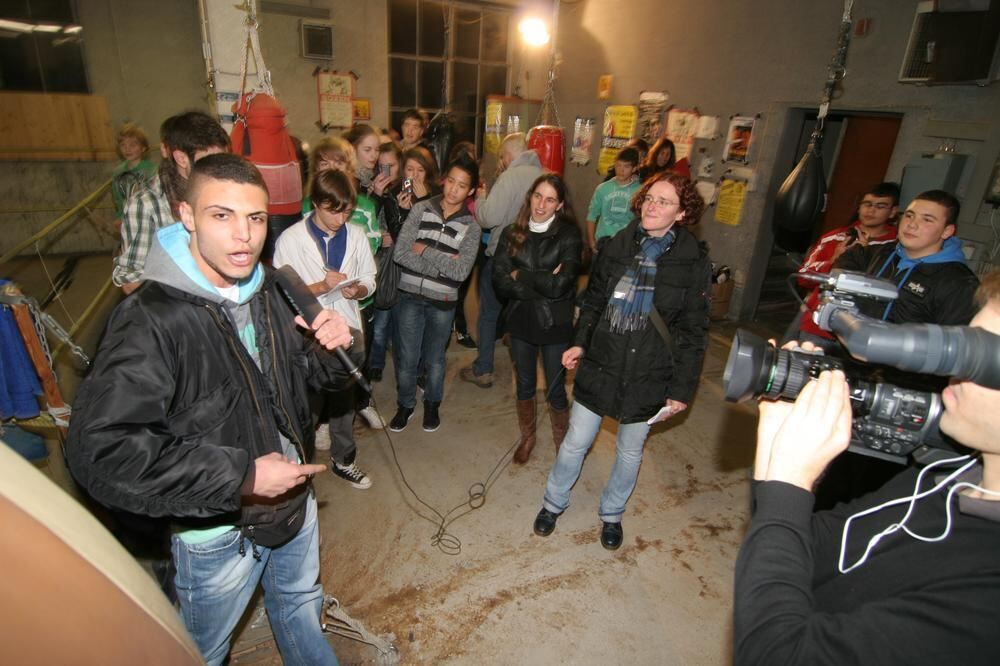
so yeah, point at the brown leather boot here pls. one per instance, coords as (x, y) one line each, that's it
(526, 422)
(560, 424)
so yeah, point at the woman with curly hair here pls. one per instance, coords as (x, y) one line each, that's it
(639, 343)
(535, 269)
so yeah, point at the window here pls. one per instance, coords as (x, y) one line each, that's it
(40, 47)
(476, 64)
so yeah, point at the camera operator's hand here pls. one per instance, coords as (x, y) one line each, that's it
(797, 441)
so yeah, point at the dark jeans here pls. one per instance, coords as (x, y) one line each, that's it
(489, 314)
(381, 335)
(421, 336)
(525, 356)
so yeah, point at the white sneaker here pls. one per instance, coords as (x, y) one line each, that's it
(323, 437)
(352, 475)
(373, 418)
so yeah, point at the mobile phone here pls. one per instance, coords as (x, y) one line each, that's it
(385, 169)
(408, 185)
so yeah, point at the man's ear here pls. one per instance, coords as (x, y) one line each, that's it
(182, 161)
(187, 216)
(949, 231)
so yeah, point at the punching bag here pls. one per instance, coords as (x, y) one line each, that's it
(439, 136)
(259, 134)
(802, 197)
(547, 141)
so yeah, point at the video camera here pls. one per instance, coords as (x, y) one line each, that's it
(890, 421)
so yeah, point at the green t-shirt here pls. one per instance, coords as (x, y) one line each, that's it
(121, 187)
(609, 206)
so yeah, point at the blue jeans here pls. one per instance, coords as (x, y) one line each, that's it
(583, 427)
(489, 314)
(381, 334)
(525, 357)
(215, 584)
(422, 331)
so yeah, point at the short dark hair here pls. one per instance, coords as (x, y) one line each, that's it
(222, 166)
(629, 155)
(462, 148)
(945, 199)
(333, 190)
(414, 114)
(192, 131)
(691, 202)
(466, 164)
(887, 190)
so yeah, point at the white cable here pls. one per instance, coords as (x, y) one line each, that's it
(912, 499)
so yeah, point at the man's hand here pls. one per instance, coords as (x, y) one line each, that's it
(333, 278)
(571, 357)
(275, 475)
(418, 247)
(797, 441)
(329, 328)
(355, 292)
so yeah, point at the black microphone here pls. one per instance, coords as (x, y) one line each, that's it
(305, 303)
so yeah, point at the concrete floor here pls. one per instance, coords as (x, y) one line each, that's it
(508, 596)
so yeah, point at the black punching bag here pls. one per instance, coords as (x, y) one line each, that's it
(439, 136)
(802, 196)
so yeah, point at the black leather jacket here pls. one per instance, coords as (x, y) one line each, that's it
(175, 410)
(540, 302)
(629, 376)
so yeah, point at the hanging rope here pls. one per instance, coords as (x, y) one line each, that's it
(251, 42)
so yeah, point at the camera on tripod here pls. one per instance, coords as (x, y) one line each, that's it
(890, 422)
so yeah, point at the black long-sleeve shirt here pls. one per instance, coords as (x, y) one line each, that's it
(910, 603)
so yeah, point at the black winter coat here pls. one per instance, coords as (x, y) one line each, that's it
(540, 303)
(175, 410)
(933, 293)
(629, 376)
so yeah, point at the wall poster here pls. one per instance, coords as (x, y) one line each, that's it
(652, 115)
(583, 139)
(738, 139)
(619, 127)
(494, 127)
(682, 125)
(729, 203)
(335, 91)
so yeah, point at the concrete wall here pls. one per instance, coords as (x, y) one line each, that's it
(763, 57)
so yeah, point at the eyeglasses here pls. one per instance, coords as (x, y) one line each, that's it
(659, 201)
(880, 205)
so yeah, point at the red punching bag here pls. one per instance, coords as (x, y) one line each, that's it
(548, 142)
(259, 134)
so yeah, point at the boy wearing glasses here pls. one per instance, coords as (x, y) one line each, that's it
(874, 224)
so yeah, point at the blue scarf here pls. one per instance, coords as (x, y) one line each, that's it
(331, 249)
(632, 299)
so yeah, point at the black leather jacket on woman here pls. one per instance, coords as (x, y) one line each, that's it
(539, 302)
(629, 376)
(175, 411)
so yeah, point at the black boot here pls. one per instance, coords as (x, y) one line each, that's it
(545, 522)
(432, 421)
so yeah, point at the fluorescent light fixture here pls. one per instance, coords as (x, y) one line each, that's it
(16, 26)
(534, 31)
(48, 27)
(73, 29)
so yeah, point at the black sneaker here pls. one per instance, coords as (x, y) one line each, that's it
(353, 475)
(545, 522)
(401, 418)
(432, 421)
(465, 340)
(611, 535)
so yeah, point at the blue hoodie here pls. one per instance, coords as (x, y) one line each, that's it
(951, 251)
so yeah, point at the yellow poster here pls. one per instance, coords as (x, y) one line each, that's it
(729, 207)
(494, 127)
(619, 127)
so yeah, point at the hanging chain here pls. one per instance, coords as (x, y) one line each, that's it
(838, 65)
(41, 321)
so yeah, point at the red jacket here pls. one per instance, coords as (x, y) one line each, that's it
(820, 260)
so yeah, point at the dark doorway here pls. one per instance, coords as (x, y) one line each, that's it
(856, 150)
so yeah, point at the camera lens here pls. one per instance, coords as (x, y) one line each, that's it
(757, 369)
